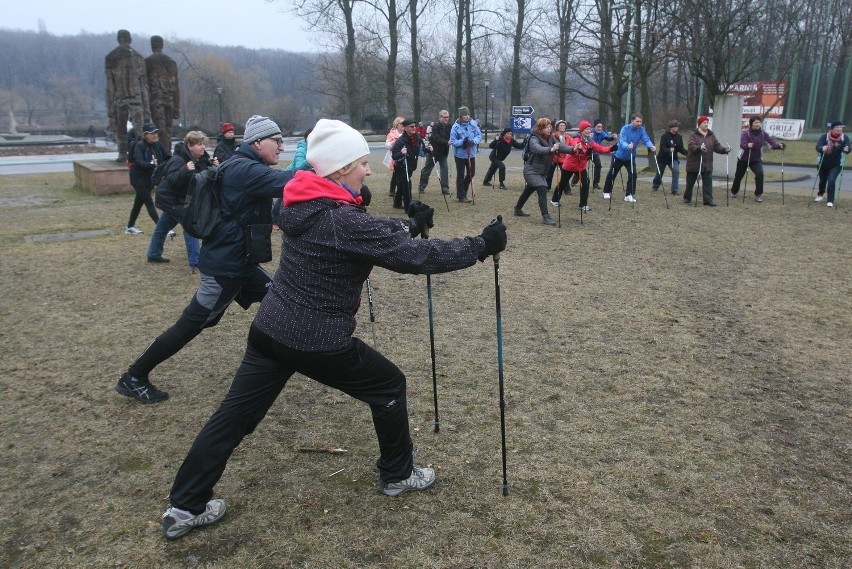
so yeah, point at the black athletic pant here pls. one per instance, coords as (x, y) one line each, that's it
(496, 164)
(143, 197)
(742, 167)
(206, 308)
(465, 171)
(403, 186)
(596, 160)
(542, 198)
(617, 164)
(359, 371)
(706, 186)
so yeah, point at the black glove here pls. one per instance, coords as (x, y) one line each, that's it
(366, 196)
(419, 217)
(468, 142)
(495, 238)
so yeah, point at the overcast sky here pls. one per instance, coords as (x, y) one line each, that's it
(250, 23)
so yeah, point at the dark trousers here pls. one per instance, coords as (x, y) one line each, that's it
(359, 371)
(143, 197)
(206, 308)
(742, 167)
(542, 197)
(496, 164)
(465, 171)
(584, 188)
(828, 181)
(564, 185)
(706, 186)
(596, 160)
(443, 174)
(617, 164)
(403, 186)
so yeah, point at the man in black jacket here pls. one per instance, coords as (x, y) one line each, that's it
(248, 186)
(671, 144)
(439, 138)
(404, 152)
(147, 153)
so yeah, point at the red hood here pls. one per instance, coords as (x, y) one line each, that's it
(306, 186)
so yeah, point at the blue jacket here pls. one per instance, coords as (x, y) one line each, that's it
(631, 135)
(300, 157)
(248, 187)
(459, 132)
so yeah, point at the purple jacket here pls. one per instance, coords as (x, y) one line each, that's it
(758, 138)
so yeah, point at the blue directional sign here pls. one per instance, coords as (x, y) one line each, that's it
(521, 124)
(522, 110)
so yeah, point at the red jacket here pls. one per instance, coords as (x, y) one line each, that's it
(577, 162)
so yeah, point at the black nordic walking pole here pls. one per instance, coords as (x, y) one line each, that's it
(783, 148)
(470, 173)
(432, 341)
(748, 167)
(496, 258)
(727, 191)
(660, 174)
(633, 180)
(372, 313)
(816, 178)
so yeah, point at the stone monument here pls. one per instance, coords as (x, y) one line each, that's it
(126, 90)
(163, 90)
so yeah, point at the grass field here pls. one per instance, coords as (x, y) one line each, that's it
(677, 396)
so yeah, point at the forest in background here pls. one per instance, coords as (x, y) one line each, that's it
(572, 59)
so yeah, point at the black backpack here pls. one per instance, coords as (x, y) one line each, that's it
(527, 148)
(131, 146)
(203, 215)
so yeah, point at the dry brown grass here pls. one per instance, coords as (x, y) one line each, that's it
(677, 396)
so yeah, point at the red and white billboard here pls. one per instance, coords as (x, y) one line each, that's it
(763, 98)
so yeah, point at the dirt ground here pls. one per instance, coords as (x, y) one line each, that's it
(677, 396)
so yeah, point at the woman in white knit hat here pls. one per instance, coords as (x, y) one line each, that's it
(307, 320)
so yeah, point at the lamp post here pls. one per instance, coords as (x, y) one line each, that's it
(487, 82)
(221, 120)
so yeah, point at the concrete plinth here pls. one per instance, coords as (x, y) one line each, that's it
(102, 176)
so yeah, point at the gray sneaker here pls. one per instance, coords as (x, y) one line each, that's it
(176, 523)
(420, 479)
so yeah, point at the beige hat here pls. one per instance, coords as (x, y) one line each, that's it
(333, 145)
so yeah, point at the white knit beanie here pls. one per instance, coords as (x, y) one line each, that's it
(333, 145)
(258, 127)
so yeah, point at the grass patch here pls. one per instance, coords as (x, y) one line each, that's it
(677, 390)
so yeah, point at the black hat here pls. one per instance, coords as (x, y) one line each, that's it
(149, 128)
(407, 122)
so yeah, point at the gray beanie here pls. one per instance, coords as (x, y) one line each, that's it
(333, 145)
(463, 111)
(258, 127)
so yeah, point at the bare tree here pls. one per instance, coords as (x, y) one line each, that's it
(319, 13)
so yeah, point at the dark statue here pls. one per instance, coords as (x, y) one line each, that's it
(126, 90)
(163, 90)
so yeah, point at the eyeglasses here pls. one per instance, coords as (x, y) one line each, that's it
(277, 141)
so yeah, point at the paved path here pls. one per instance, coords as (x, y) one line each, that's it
(796, 178)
